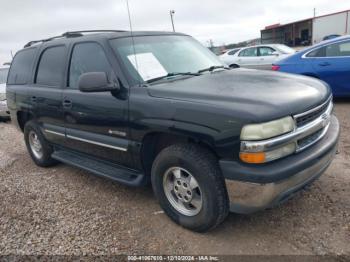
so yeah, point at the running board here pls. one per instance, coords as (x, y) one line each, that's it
(101, 168)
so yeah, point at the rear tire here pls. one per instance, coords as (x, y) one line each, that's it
(39, 149)
(196, 174)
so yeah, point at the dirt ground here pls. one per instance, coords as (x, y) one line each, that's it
(64, 210)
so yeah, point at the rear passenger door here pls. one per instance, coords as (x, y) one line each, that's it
(96, 123)
(46, 92)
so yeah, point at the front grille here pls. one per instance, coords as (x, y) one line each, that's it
(310, 139)
(304, 119)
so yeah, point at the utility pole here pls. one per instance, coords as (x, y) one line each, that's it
(172, 12)
(314, 12)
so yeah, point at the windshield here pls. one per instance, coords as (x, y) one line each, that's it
(285, 49)
(3, 75)
(157, 56)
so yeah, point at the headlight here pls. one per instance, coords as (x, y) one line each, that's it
(268, 129)
(255, 132)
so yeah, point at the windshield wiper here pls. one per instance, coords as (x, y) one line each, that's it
(211, 69)
(172, 74)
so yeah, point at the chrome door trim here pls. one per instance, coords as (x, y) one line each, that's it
(96, 143)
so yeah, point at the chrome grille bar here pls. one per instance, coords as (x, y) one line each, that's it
(321, 122)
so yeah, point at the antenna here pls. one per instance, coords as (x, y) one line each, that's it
(132, 35)
(11, 54)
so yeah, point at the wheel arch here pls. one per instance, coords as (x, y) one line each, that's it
(154, 142)
(234, 65)
(22, 118)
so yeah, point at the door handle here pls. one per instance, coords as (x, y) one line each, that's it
(67, 103)
(324, 64)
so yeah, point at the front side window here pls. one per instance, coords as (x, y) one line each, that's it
(149, 57)
(3, 75)
(21, 67)
(50, 70)
(249, 52)
(333, 50)
(87, 57)
(266, 51)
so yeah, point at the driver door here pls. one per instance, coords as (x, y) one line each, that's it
(96, 123)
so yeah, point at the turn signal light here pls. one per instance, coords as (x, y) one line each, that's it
(275, 67)
(253, 158)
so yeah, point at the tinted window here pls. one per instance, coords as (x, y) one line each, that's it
(321, 52)
(21, 67)
(3, 75)
(334, 50)
(266, 51)
(51, 66)
(249, 52)
(87, 57)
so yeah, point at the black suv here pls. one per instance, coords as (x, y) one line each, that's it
(159, 107)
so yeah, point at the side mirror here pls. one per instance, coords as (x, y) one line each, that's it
(275, 53)
(96, 82)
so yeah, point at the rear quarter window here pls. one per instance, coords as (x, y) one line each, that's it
(21, 67)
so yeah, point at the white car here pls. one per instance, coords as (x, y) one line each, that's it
(257, 57)
(4, 112)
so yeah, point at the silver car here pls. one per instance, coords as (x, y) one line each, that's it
(257, 57)
(4, 112)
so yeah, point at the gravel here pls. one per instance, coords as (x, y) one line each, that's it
(64, 210)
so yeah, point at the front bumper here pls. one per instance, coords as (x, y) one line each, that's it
(256, 187)
(4, 112)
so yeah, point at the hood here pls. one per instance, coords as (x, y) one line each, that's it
(261, 95)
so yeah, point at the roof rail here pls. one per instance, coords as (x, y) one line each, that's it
(93, 31)
(71, 34)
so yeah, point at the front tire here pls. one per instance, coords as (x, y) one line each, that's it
(39, 149)
(189, 186)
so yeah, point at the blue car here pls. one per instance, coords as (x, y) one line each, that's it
(328, 61)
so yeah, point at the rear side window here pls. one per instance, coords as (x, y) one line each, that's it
(87, 57)
(50, 70)
(21, 67)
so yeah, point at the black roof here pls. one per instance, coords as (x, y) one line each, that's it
(99, 34)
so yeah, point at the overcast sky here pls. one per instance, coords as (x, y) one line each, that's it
(223, 21)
